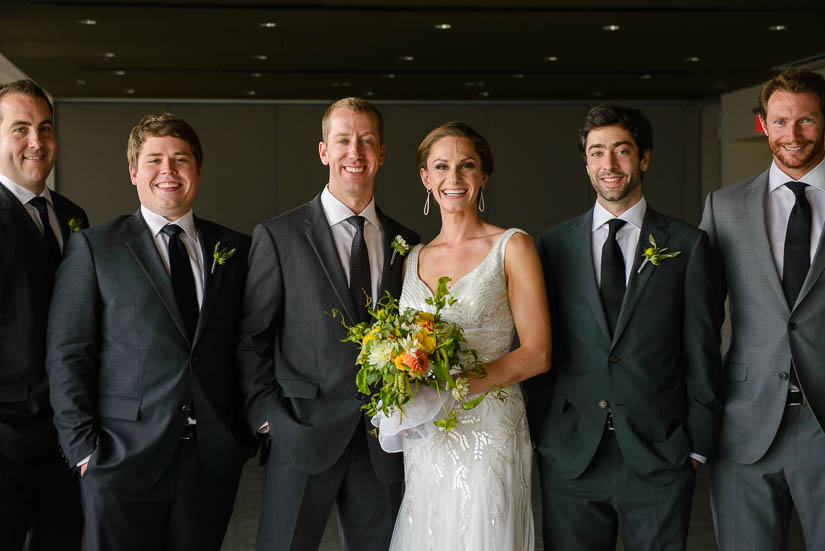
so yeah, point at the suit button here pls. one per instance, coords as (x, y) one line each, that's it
(603, 404)
(792, 326)
(613, 358)
(195, 358)
(185, 408)
(783, 375)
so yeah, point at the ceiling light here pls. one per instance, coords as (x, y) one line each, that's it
(598, 93)
(692, 59)
(407, 58)
(108, 56)
(443, 26)
(119, 73)
(81, 82)
(517, 75)
(255, 75)
(611, 28)
(777, 27)
(388, 75)
(645, 77)
(718, 85)
(484, 94)
(268, 24)
(87, 21)
(260, 57)
(551, 58)
(346, 84)
(129, 91)
(335, 84)
(249, 93)
(369, 93)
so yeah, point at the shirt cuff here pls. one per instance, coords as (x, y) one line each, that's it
(84, 460)
(262, 427)
(700, 458)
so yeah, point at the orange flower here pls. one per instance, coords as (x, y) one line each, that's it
(418, 362)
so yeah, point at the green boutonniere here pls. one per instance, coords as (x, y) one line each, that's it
(75, 224)
(399, 246)
(221, 255)
(655, 254)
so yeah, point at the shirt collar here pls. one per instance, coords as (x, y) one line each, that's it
(24, 195)
(634, 215)
(156, 222)
(337, 212)
(815, 177)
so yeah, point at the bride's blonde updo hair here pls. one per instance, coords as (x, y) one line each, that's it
(456, 129)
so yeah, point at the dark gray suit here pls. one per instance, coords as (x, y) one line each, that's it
(125, 376)
(300, 377)
(656, 374)
(771, 456)
(35, 483)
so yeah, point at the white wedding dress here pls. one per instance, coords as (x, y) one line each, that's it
(468, 489)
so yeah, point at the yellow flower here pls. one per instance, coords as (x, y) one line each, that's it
(424, 317)
(426, 340)
(369, 336)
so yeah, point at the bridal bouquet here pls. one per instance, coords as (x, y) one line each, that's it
(402, 350)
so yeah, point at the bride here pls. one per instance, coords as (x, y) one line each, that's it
(469, 488)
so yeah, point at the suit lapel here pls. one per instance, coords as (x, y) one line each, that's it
(755, 229)
(142, 246)
(211, 281)
(62, 221)
(23, 223)
(654, 224)
(817, 266)
(581, 256)
(320, 239)
(388, 233)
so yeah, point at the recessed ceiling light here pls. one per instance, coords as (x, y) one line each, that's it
(443, 26)
(369, 93)
(335, 84)
(129, 91)
(718, 84)
(777, 27)
(260, 57)
(645, 77)
(81, 82)
(551, 58)
(249, 93)
(346, 84)
(598, 93)
(268, 24)
(87, 21)
(517, 75)
(388, 75)
(484, 93)
(255, 75)
(119, 73)
(407, 58)
(692, 59)
(108, 56)
(611, 28)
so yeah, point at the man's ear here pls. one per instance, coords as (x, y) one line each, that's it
(322, 152)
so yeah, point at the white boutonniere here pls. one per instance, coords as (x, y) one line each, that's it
(655, 254)
(399, 246)
(220, 256)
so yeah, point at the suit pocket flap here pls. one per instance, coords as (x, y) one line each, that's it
(292, 388)
(737, 371)
(558, 403)
(117, 407)
(14, 392)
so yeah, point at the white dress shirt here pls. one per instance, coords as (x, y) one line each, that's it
(627, 236)
(780, 201)
(156, 222)
(336, 214)
(24, 196)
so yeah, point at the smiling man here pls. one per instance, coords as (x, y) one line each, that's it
(630, 407)
(37, 492)
(141, 358)
(767, 233)
(298, 377)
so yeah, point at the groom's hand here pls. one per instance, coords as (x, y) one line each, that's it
(696, 464)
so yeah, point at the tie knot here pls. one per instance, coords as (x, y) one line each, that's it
(357, 222)
(613, 226)
(798, 189)
(171, 230)
(39, 203)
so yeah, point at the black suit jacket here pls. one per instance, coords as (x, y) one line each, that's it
(658, 373)
(297, 374)
(26, 279)
(122, 370)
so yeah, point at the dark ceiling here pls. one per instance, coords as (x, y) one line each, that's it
(492, 50)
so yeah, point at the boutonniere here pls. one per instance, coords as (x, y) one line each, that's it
(221, 255)
(399, 246)
(655, 254)
(75, 224)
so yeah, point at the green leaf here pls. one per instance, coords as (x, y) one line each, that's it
(473, 403)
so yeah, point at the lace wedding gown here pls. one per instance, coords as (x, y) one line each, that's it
(468, 489)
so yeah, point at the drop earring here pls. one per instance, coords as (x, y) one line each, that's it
(481, 201)
(427, 203)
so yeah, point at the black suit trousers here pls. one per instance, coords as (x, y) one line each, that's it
(185, 511)
(40, 497)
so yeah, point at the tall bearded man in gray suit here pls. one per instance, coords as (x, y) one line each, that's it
(298, 378)
(633, 406)
(141, 358)
(767, 235)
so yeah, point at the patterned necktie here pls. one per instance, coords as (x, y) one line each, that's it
(360, 284)
(39, 203)
(183, 281)
(613, 274)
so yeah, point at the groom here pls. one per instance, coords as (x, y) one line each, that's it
(298, 378)
(633, 405)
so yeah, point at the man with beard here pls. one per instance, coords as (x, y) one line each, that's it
(766, 234)
(630, 407)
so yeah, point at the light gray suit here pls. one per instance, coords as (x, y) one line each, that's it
(771, 457)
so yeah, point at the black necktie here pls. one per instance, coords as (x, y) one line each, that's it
(39, 203)
(797, 244)
(613, 274)
(360, 284)
(183, 281)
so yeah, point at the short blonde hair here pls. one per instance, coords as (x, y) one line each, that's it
(356, 105)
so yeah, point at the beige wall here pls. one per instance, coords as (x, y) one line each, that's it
(261, 159)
